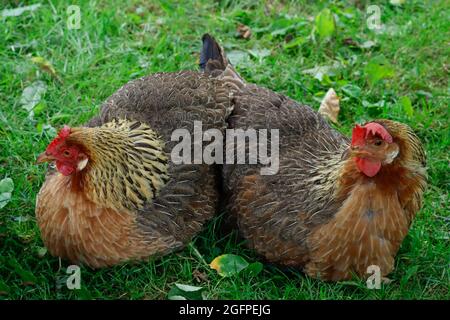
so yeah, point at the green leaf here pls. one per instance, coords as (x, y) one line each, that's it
(378, 69)
(41, 251)
(254, 268)
(325, 24)
(424, 94)
(260, 53)
(282, 26)
(186, 292)
(320, 72)
(31, 96)
(228, 264)
(352, 90)
(6, 189)
(6, 185)
(407, 106)
(48, 130)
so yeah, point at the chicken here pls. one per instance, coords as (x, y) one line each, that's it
(337, 205)
(116, 194)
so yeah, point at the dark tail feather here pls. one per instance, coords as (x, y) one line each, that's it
(212, 56)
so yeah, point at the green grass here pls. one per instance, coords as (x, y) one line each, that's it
(117, 43)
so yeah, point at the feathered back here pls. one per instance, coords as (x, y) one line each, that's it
(167, 102)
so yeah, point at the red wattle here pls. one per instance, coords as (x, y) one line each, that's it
(65, 169)
(369, 168)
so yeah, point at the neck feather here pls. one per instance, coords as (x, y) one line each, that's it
(127, 164)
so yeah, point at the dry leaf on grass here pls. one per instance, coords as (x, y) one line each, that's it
(329, 107)
(46, 66)
(244, 31)
(200, 276)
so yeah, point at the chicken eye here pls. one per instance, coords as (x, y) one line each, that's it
(66, 153)
(378, 143)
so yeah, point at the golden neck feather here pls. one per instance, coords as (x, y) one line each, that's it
(127, 164)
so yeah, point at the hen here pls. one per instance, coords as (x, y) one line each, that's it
(336, 205)
(116, 195)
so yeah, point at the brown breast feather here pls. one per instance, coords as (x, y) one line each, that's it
(75, 228)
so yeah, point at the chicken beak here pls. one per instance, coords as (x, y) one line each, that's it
(44, 157)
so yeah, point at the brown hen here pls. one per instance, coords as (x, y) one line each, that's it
(336, 206)
(116, 195)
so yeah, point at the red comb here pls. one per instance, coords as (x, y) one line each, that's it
(377, 129)
(358, 136)
(62, 135)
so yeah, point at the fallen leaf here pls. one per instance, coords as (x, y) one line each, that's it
(386, 280)
(6, 189)
(368, 44)
(424, 94)
(350, 42)
(199, 276)
(260, 53)
(379, 104)
(18, 11)
(355, 44)
(41, 251)
(228, 264)
(31, 44)
(244, 31)
(320, 71)
(46, 66)
(31, 96)
(325, 24)
(329, 107)
(46, 129)
(20, 218)
(186, 292)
